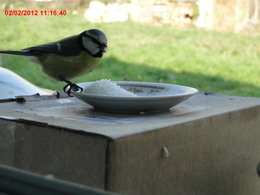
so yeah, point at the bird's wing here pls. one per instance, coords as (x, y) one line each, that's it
(65, 47)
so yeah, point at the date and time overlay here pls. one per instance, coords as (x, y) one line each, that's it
(18, 12)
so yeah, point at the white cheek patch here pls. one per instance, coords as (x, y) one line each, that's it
(90, 46)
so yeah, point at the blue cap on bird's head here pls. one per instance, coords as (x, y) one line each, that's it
(94, 42)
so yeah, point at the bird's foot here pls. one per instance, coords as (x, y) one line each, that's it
(71, 87)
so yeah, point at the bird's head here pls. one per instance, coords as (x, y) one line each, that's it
(94, 42)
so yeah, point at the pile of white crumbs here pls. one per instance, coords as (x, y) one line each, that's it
(107, 87)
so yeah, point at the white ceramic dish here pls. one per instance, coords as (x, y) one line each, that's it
(151, 97)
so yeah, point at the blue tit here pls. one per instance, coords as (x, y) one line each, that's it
(68, 58)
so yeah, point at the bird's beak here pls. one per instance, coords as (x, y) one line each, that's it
(104, 48)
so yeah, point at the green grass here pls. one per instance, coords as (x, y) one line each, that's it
(224, 63)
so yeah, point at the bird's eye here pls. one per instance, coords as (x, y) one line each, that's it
(94, 40)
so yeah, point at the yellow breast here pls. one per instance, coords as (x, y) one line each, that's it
(68, 67)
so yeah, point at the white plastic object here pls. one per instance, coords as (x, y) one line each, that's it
(12, 85)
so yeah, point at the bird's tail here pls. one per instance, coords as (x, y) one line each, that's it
(22, 53)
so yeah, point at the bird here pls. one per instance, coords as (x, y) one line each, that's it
(68, 58)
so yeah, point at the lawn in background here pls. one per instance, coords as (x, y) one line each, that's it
(225, 63)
